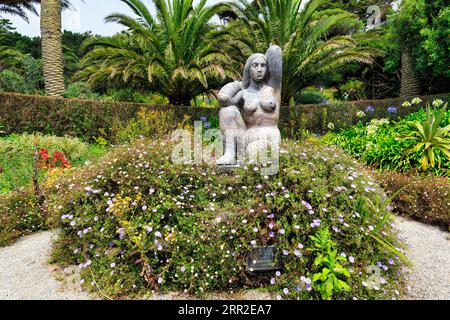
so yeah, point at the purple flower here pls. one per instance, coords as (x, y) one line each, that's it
(392, 109)
(307, 205)
(286, 252)
(370, 109)
(271, 234)
(272, 281)
(121, 233)
(351, 259)
(315, 223)
(285, 290)
(297, 253)
(203, 119)
(158, 234)
(207, 125)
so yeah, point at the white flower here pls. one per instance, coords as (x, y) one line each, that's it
(437, 103)
(416, 101)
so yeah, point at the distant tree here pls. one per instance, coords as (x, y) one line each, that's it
(315, 42)
(169, 53)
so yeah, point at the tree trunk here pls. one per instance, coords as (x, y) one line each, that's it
(52, 47)
(410, 80)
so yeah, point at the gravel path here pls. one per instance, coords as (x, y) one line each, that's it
(25, 273)
(428, 248)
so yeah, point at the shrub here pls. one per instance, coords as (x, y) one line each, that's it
(311, 97)
(135, 222)
(17, 152)
(89, 120)
(19, 215)
(79, 90)
(13, 82)
(426, 199)
(379, 144)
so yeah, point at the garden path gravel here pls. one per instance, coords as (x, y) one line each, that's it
(26, 274)
(428, 249)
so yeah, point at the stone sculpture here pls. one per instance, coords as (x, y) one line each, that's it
(259, 97)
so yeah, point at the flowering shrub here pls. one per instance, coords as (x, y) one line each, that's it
(135, 223)
(426, 199)
(379, 143)
(48, 161)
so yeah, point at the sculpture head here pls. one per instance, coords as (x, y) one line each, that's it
(256, 69)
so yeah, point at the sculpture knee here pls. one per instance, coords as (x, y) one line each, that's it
(229, 117)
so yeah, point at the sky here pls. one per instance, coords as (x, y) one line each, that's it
(87, 16)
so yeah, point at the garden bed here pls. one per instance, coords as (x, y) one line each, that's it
(136, 223)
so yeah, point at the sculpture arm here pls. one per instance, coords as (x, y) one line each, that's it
(275, 60)
(231, 94)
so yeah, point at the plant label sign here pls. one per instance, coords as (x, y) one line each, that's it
(263, 259)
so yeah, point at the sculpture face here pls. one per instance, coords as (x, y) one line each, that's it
(258, 69)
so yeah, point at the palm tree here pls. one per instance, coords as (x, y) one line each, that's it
(170, 54)
(52, 60)
(313, 41)
(20, 7)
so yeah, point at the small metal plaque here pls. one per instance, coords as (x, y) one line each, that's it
(263, 259)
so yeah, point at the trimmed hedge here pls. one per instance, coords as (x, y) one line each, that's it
(91, 119)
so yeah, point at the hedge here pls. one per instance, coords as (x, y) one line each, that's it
(90, 119)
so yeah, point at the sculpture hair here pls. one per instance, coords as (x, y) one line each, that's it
(246, 78)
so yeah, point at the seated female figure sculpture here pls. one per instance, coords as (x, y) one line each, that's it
(259, 95)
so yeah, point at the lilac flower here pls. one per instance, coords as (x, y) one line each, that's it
(183, 269)
(271, 234)
(282, 231)
(278, 273)
(315, 223)
(203, 119)
(272, 281)
(113, 265)
(121, 233)
(307, 205)
(351, 259)
(391, 262)
(298, 288)
(207, 125)
(285, 290)
(158, 234)
(297, 253)
(335, 229)
(286, 252)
